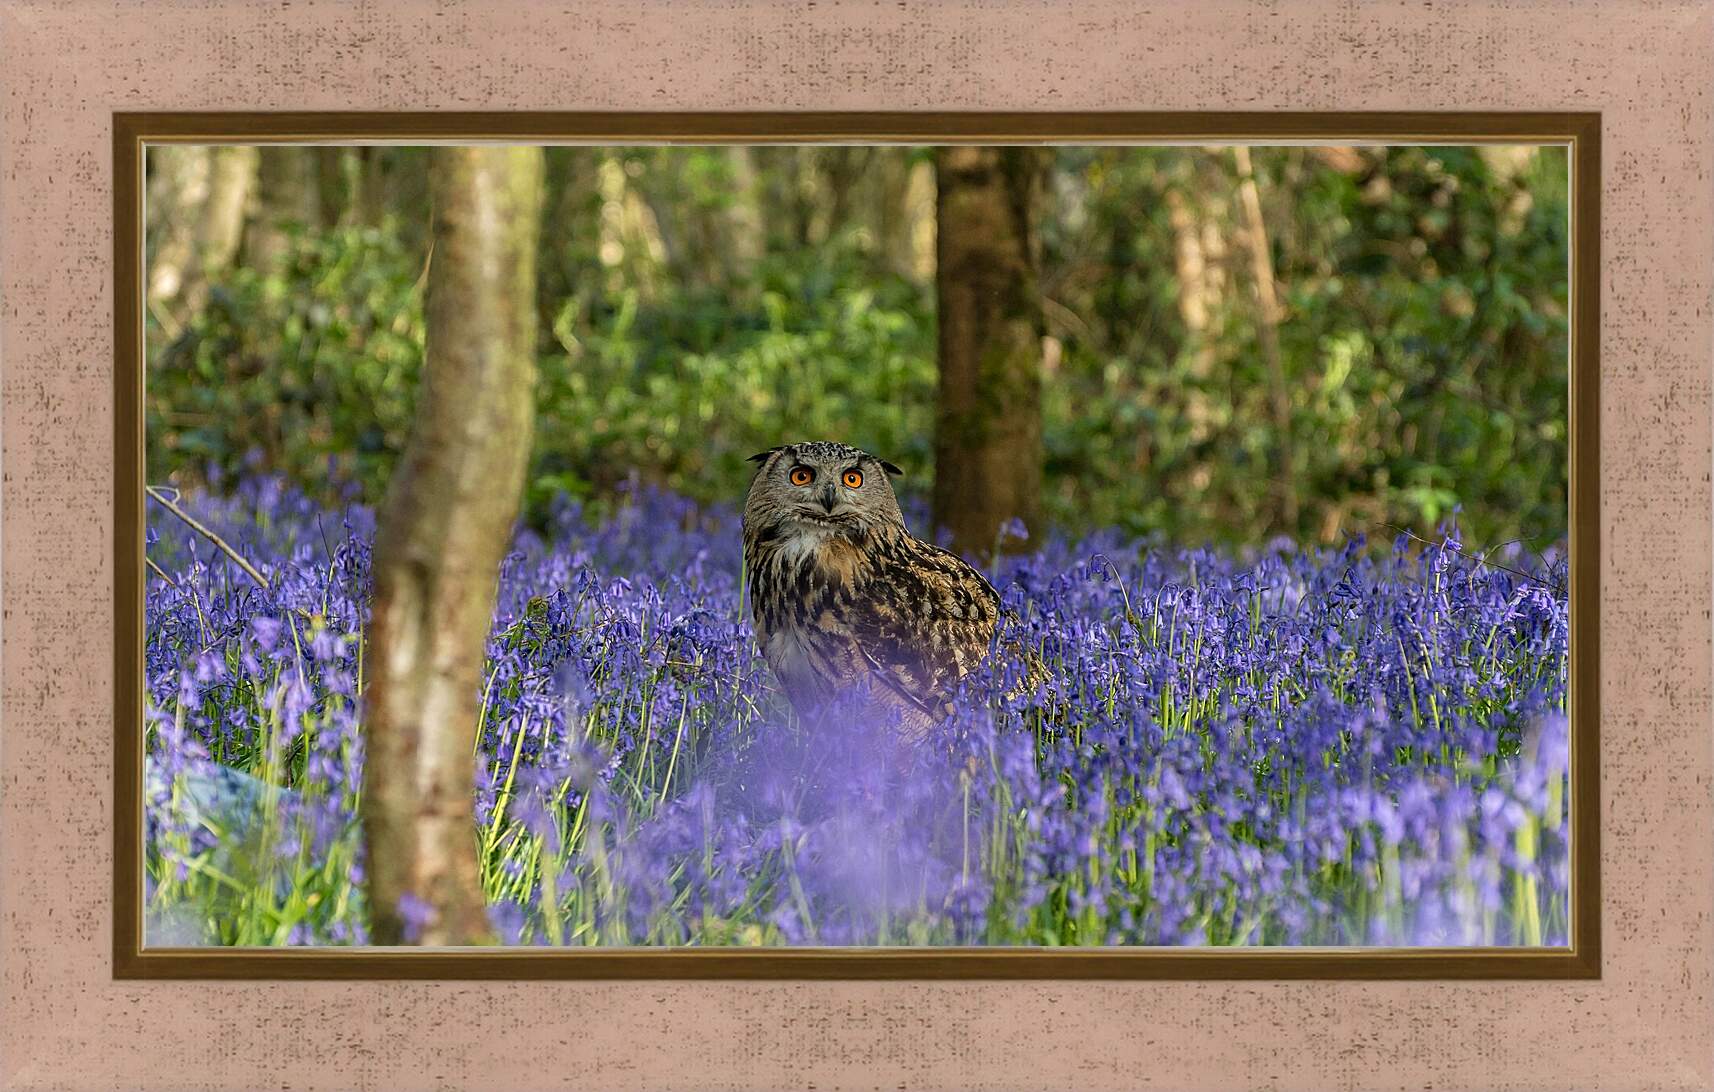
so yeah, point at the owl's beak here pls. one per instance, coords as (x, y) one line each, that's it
(828, 500)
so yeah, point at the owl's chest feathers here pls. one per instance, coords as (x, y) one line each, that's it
(799, 577)
(802, 586)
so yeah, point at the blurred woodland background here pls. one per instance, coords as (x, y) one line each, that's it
(1208, 344)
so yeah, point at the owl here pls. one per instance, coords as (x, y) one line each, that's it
(845, 601)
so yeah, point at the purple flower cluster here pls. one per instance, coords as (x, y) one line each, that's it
(1355, 746)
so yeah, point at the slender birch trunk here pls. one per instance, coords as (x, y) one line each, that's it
(445, 525)
(1268, 317)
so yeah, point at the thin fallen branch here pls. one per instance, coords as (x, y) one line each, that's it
(1480, 559)
(160, 572)
(191, 522)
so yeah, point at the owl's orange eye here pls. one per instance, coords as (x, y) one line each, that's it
(853, 479)
(802, 475)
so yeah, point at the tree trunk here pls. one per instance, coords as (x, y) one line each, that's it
(445, 525)
(1198, 302)
(286, 197)
(1267, 331)
(744, 230)
(659, 223)
(569, 262)
(797, 183)
(232, 174)
(988, 428)
(920, 200)
(892, 215)
(178, 187)
(631, 240)
(335, 175)
(371, 185)
(220, 228)
(838, 170)
(1190, 264)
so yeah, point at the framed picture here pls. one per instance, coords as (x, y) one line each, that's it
(707, 299)
(1089, 545)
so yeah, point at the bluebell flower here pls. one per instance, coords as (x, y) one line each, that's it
(1274, 747)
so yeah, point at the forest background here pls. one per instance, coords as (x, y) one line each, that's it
(1215, 344)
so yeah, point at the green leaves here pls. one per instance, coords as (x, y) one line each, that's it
(1423, 337)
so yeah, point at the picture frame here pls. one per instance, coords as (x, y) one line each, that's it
(67, 1020)
(1579, 132)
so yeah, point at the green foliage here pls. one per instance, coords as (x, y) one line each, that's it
(1442, 339)
(310, 369)
(1424, 340)
(1422, 330)
(684, 394)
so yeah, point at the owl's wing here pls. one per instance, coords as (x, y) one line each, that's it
(923, 621)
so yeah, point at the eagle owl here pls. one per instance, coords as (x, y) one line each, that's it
(845, 601)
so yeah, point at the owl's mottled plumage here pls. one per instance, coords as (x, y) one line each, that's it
(845, 601)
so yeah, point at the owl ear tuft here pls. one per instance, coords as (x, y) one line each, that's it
(892, 471)
(762, 456)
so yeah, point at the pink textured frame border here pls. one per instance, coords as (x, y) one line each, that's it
(67, 68)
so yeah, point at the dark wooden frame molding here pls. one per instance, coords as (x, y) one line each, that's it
(1580, 132)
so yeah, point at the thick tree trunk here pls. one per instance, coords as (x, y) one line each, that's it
(988, 428)
(445, 525)
(286, 197)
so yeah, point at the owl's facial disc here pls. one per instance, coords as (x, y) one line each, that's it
(820, 489)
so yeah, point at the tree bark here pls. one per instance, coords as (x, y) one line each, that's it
(445, 525)
(631, 241)
(988, 428)
(796, 181)
(658, 222)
